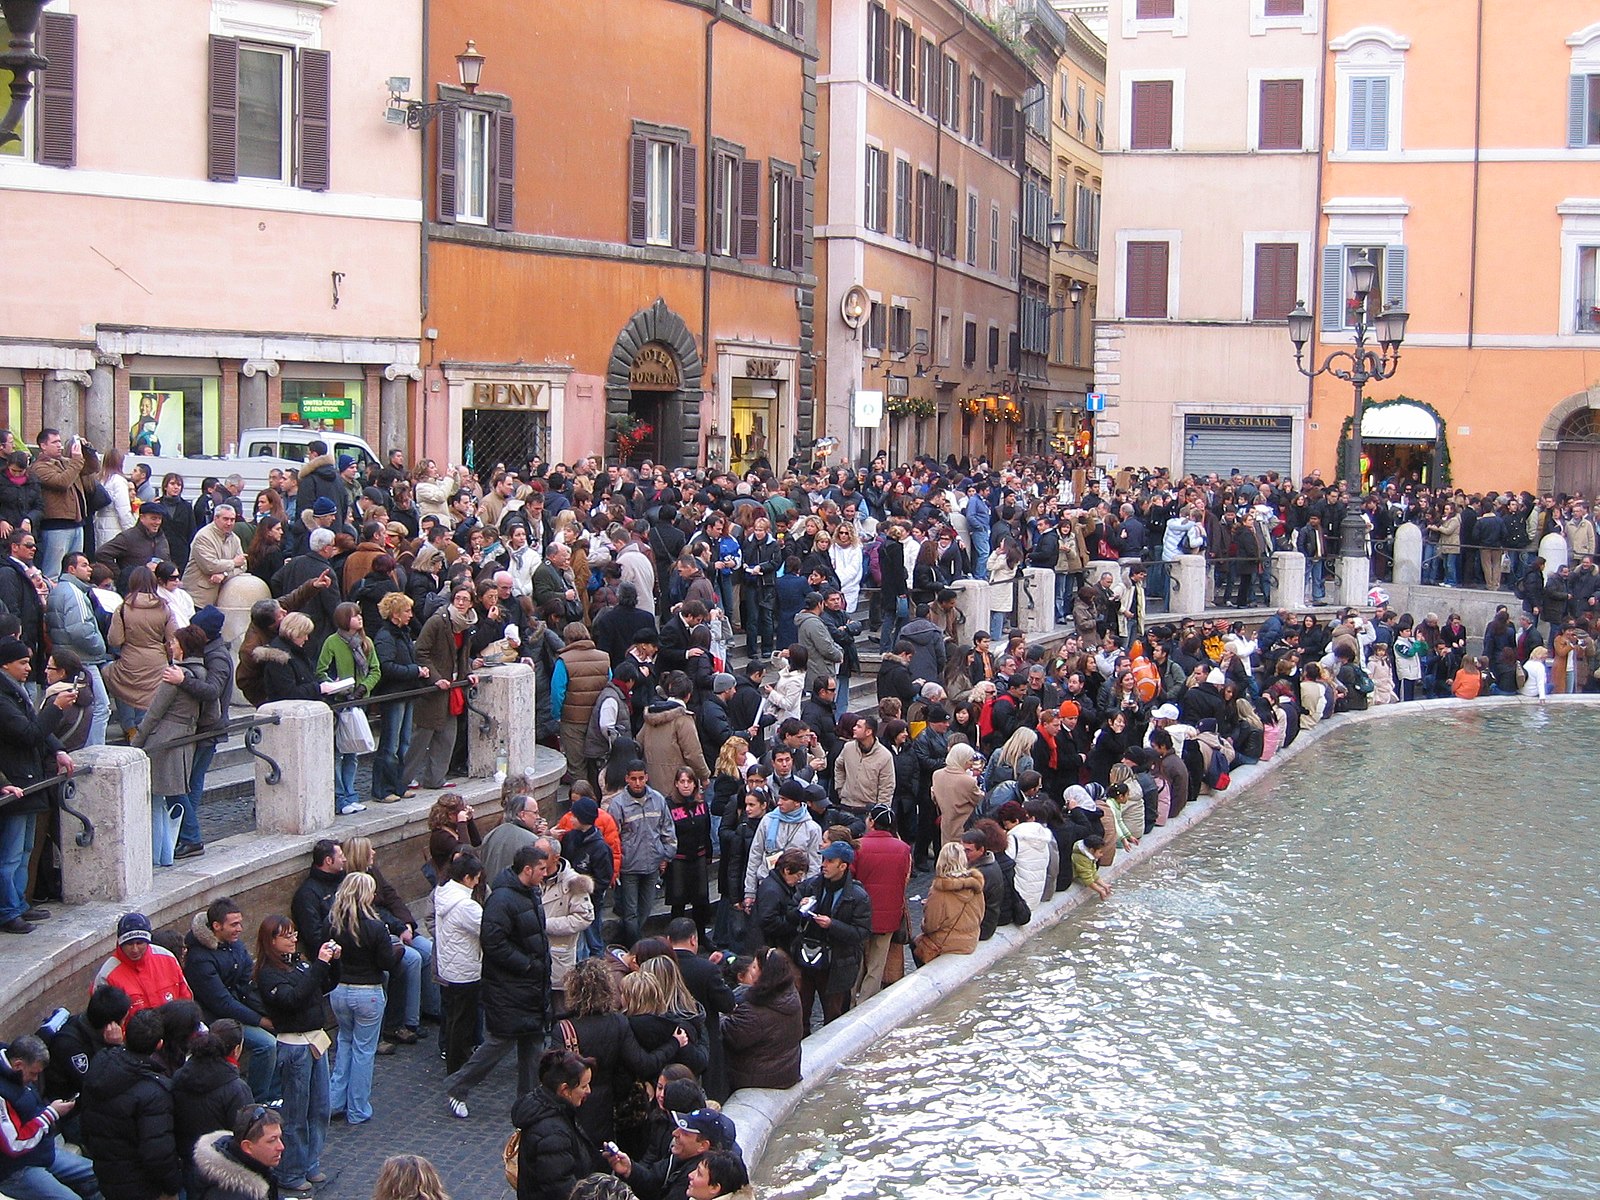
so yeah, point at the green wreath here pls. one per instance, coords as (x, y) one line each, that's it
(1442, 478)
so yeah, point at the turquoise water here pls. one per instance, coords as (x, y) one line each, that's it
(1376, 976)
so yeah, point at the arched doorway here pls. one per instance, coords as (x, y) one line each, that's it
(1569, 446)
(1402, 441)
(654, 380)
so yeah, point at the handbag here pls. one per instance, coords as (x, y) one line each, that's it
(353, 734)
(510, 1155)
(457, 701)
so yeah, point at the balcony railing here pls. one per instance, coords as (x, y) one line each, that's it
(1043, 14)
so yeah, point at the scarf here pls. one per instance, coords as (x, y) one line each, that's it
(796, 817)
(460, 621)
(358, 651)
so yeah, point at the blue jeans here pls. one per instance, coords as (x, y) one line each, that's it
(394, 739)
(189, 827)
(894, 621)
(724, 584)
(358, 1007)
(412, 986)
(302, 1081)
(1452, 570)
(1064, 590)
(841, 705)
(163, 827)
(980, 554)
(16, 849)
(100, 714)
(1318, 570)
(262, 1066)
(56, 544)
(636, 897)
(760, 622)
(68, 1177)
(344, 781)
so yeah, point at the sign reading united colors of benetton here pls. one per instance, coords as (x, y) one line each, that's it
(654, 369)
(1235, 421)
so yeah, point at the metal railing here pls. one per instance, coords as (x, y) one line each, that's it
(69, 787)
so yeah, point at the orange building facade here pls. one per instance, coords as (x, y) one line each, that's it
(1462, 154)
(617, 234)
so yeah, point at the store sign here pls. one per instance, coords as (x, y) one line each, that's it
(654, 369)
(1201, 421)
(762, 368)
(524, 397)
(327, 408)
(868, 410)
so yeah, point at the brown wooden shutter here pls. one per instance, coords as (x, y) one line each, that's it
(797, 19)
(1147, 279)
(1152, 115)
(1276, 271)
(750, 208)
(222, 125)
(688, 194)
(797, 228)
(58, 91)
(1155, 10)
(314, 110)
(1281, 114)
(638, 189)
(503, 194)
(445, 176)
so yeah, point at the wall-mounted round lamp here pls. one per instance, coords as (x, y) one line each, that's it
(854, 306)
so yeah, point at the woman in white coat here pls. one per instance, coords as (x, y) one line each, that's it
(845, 553)
(1033, 848)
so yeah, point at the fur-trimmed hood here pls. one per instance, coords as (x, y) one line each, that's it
(569, 879)
(270, 653)
(221, 1171)
(200, 931)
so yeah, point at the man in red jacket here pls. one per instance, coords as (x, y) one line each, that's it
(150, 975)
(883, 868)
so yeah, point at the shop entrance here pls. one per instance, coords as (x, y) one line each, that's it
(1399, 463)
(754, 419)
(490, 436)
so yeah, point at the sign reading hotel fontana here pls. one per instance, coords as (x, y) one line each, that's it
(654, 369)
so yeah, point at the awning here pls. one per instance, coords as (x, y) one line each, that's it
(1399, 422)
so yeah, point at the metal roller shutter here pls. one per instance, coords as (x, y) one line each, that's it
(1210, 448)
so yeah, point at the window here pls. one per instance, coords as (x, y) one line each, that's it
(994, 238)
(928, 79)
(1154, 10)
(1281, 114)
(1099, 122)
(994, 346)
(969, 344)
(1147, 279)
(877, 191)
(1083, 113)
(902, 200)
(476, 183)
(1077, 330)
(952, 94)
(787, 15)
(943, 348)
(1337, 299)
(1588, 317)
(927, 211)
(1155, 16)
(787, 210)
(1369, 79)
(874, 329)
(1016, 249)
(1277, 280)
(735, 230)
(975, 94)
(1285, 8)
(663, 188)
(878, 45)
(1064, 106)
(472, 166)
(948, 215)
(1583, 110)
(905, 62)
(1150, 126)
(899, 330)
(48, 132)
(1369, 113)
(1005, 128)
(972, 229)
(1086, 228)
(268, 111)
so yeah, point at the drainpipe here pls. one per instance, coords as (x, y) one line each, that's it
(1477, 165)
(1316, 206)
(938, 178)
(422, 228)
(708, 208)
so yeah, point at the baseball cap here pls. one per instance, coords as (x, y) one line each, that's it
(1165, 712)
(713, 1126)
(840, 851)
(133, 927)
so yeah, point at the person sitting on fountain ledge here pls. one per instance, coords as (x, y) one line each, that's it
(697, 1136)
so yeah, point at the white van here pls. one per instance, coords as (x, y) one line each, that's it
(261, 451)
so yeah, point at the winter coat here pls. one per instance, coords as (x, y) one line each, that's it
(619, 1061)
(883, 868)
(581, 674)
(27, 1126)
(207, 1095)
(516, 960)
(211, 553)
(27, 748)
(69, 616)
(21, 500)
(173, 714)
(1038, 861)
(337, 661)
(865, 778)
(762, 1041)
(850, 907)
(928, 654)
(397, 658)
(222, 1172)
(219, 974)
(292, 991)
(287, 672)
(437, 650)
(670, 740)
(957, 796)
(645, 825)
(126, 1115)
(140, 629)
(952, 917)
(823, 653)
(367, 955)
(554, 1153)
(150, 982)
(457, 920)
(568, 911)
(775, 919)
(655, 1032)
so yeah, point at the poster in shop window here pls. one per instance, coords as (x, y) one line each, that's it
(158, 423)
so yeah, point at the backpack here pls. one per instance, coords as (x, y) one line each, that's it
(871, 555)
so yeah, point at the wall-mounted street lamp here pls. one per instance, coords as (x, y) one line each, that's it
(414, 114)
(21, 59)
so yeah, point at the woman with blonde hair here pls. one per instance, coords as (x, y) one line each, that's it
(956, 792)
(848, 564)
(954, 912)
(658, 1005)
(413, 987)
(366, 956)
(408, 1177)
(1011, 760)
(398, 671)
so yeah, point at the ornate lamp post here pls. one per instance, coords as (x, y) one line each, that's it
(21, 59)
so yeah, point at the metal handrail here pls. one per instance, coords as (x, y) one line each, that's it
(69, 788)
(485, 721)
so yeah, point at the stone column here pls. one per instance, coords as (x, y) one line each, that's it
(99, 424)
(506, 694)
(394, 409)
(1408, 553)
(1289, 566)
(1355, 579)
(1553, 549)
(116, 798)
(302, 746)
(63, 402)
(254, 411)
(1036, 602)
(1188, 586)
(972, 602)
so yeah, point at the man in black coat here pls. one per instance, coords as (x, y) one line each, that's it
(838, 924)
(895, 584)
(314, 564)
(516, 977)
(314, 897)
(23, 591)
(220, 974)
(704, 980)
(996, 892)
(27, 755)
(127, 1117)
(614, 629)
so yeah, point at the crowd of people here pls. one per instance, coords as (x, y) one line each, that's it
(849, 840)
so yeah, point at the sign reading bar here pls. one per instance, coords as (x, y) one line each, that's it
(527, 396)
(654, 369)
(1237, 421)
(326, 408)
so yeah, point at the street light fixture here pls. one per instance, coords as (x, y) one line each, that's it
(1360, 365)
(21, 59)
(1058, 232)
(417, 113)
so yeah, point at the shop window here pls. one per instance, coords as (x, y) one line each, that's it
(269, 110)
(754, 419)
(11, 410)
(174, 415)
(329, 404)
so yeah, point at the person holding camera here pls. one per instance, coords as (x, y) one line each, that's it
(845, 632)
(61, 473)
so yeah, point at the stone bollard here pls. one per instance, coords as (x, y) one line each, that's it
(1355, 579)
(1553, 549)
(116, 799)
(1408, 553)
(506, 694)
(302, 746)
(972, 602)
(1289, 569)
(1188, 585)
(234, 598)
(1036, 601)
